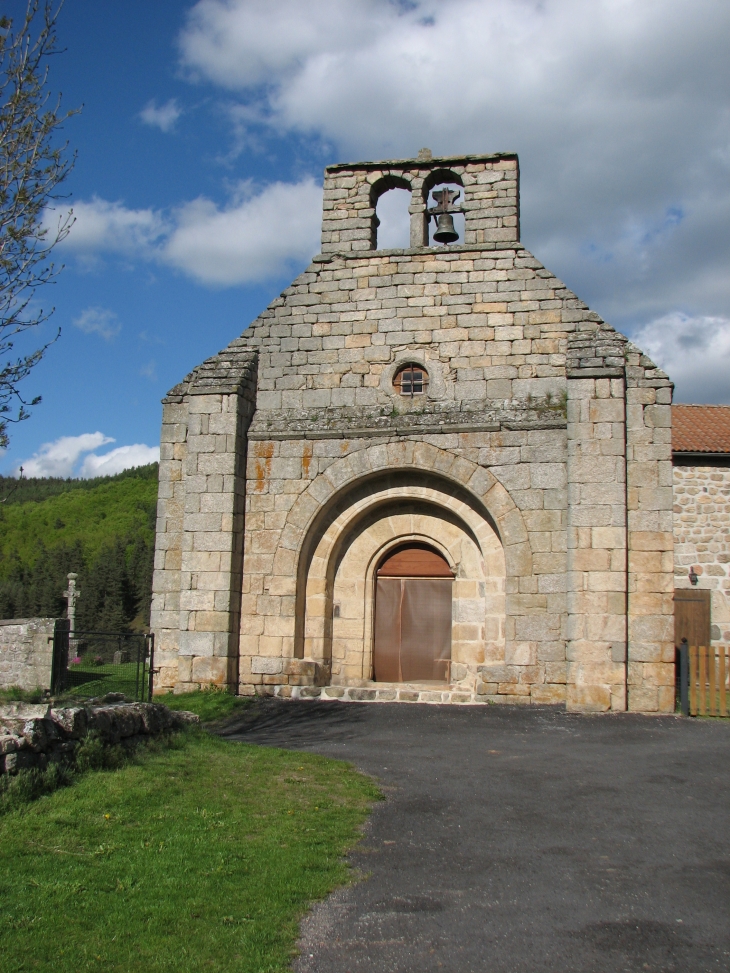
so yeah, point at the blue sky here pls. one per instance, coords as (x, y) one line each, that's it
(206, 126)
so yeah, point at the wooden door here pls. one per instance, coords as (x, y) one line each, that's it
(692, 616)
(413, 617)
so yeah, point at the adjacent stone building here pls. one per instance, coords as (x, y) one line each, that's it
(428, 473)
(701, 457)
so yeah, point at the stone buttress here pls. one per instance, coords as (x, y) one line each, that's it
(536, 462)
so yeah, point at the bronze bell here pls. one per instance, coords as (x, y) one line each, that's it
(445, 232)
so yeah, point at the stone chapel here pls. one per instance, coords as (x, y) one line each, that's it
(429, 473)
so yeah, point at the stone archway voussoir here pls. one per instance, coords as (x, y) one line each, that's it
(382, 457)
(291, 537)
(498, 501)
(518, 560)
(512, 528)
(462, 470)
(481, 482)
(304, 509)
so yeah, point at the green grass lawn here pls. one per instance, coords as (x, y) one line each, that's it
(200, 857)
(211, 705)
(86, 680)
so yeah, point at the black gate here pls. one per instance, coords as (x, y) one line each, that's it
(91, 664)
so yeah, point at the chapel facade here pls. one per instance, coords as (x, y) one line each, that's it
(429, 473)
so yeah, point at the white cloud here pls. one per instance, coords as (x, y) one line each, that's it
(149, 370)
(98, 320)
(60, 458)
(163, 117)
(618, 109)
(238, 43)
(257, 235)
(121, 458)
(695, 353)
(102, 226)
(253, 238)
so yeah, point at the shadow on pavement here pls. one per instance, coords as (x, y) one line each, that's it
(286, 723)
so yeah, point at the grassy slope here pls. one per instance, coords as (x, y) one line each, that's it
(204, 857)
(211, 705)
(96, 517)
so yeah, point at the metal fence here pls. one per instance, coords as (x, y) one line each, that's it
(703, 679)
(91, 664)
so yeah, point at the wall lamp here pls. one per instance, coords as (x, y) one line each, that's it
(693, 579)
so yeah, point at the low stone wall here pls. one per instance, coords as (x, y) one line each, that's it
(36, 735)
(26, 651)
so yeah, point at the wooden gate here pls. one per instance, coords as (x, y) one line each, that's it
(708, 680)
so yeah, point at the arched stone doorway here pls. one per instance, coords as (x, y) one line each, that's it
(372, 521)
(413, 607)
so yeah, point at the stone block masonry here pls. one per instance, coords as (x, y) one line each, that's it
(351, 194)
(26, 652)
(536, 462)
(199, 547)
(702, 536)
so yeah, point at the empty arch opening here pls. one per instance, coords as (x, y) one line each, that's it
(393, 221)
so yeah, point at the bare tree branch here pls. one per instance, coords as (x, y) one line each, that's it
(32, 167)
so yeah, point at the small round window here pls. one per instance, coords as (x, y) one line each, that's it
(411, 380)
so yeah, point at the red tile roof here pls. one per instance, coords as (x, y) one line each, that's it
(701, 428)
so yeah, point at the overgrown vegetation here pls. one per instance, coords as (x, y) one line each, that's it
(92, 754)
(102, 529)
(201, 857)
(211, 705)
(14, 694)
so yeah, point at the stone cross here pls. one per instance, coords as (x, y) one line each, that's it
(71, 594)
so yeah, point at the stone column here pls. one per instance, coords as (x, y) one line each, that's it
(165, 614)
(419, 217)
(597, 578)
(650, 536)
(199, 555)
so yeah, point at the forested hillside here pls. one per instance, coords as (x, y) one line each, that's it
(102, 529)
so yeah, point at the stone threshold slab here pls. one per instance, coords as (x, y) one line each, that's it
(390, 694)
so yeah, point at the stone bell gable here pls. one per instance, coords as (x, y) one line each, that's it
(458, 400)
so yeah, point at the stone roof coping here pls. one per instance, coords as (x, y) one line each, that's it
(226, 373)
(489, 245)
(701, 428)
(434, 163)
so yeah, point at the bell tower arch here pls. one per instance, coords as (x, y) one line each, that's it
(489, 199)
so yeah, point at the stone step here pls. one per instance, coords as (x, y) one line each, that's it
(394, 693)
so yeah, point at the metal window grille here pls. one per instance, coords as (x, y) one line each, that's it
(411, 380)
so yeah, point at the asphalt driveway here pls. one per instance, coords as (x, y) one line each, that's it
(519, 840)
